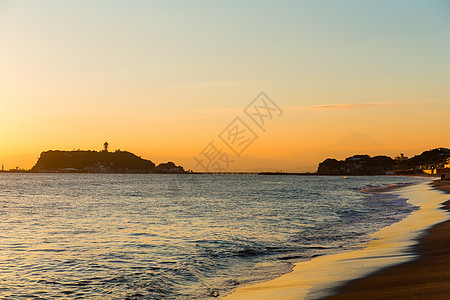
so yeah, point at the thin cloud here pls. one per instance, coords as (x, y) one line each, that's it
(341, 106)
(346, 106)
(295, 108)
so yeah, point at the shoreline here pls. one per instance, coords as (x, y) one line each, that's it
(427, 276)
(323, 277)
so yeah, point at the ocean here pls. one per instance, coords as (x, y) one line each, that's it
(181, 236)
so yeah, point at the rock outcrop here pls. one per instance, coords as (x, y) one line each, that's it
(357, 165)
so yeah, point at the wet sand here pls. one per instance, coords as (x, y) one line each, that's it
(404, 271)
(427, 277)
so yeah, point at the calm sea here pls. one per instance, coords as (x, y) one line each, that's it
(109, 236)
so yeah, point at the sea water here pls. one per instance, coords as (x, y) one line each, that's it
(155, 236)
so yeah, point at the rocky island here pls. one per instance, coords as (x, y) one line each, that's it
(100, 162)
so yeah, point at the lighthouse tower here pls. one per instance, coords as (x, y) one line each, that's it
(106, 146)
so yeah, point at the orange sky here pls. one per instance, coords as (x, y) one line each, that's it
(163, 80)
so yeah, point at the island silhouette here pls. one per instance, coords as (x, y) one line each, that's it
(89, 161)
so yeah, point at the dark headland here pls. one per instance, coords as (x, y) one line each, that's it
(430, 162)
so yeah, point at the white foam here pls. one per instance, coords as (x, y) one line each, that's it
(320, 276)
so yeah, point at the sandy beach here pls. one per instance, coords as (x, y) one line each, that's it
(427, 277)
(406, 260)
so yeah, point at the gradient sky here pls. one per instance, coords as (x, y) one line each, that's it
(163, 78)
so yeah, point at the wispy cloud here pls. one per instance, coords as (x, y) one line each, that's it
(341, 106)
(295, 108)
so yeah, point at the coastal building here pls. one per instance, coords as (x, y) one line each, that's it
(401, 157)
(447, 164)
(431, 171)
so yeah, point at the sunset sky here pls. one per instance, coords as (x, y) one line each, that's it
(163, 79)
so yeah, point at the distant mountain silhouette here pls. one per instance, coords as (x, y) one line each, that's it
(357, 141)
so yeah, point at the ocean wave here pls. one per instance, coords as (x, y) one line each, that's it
(385, 187)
